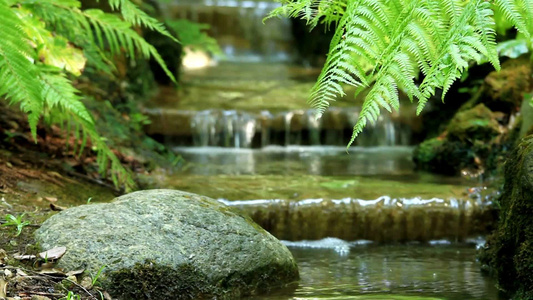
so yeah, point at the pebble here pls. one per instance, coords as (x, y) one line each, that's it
(8, 273)
(72, 278)
(87, 282)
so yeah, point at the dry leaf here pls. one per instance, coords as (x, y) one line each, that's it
(24, 257)
(51, 199)
(3, 288)
(53, 253)
(75, 272)
(53, 272)
(3, 255)
(107, 296)
(21, 273)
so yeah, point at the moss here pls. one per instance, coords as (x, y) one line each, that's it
(504, 90)
(154, 281)
(442, 156)
(478, 123)
(473, 142)
(508, 253)
(427, 150)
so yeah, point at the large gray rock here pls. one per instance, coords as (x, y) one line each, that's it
(167, 244)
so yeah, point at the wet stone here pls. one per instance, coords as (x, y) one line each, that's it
(168, 244)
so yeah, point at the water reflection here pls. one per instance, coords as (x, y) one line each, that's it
(416, 272)
(321, 160)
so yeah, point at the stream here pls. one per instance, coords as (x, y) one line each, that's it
(361, 225)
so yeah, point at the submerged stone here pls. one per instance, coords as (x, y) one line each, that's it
(168, 244)
(509, 251)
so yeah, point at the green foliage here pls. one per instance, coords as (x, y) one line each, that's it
(94, 279)
(16, 222)
(193, 35)
(71, 296)
(384, 45)
(45, 44)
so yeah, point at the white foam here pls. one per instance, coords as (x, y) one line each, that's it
(249, 202)
(340, 246)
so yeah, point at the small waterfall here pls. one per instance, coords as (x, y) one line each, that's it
(237, 129)
(223, 128)
(292, 128)
(203, 128)
(238, 27)
(312, 123)
(384, 219)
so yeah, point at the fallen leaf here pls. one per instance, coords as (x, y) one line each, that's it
(53, 253)
(24, 257)
(8, 273)
(53, 272)
(21, 273)
(3, 288)
(51, 199)
(107, 296)
(3, 255)
(75, 272)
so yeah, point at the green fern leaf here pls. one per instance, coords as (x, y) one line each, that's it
(118, 33)
(400, 38)
(18, 76)
(133, 15)
(59, 94)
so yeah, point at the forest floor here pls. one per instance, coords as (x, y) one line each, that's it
(36, 181)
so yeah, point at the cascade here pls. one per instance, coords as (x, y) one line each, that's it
(223, 128)
(238, 27)
(382, 220)
(237, 129)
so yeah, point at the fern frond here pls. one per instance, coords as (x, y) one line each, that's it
(510, 10)
(18, 76)
(399, 39)
(60, 95)
(44, 90)
(133, 15)
(103, 29)
(118, 33)
(313, 11)
(465, 34)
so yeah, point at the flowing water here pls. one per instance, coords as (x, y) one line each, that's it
(407, 272)
(363, 224)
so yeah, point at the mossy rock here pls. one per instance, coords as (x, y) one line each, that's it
(477, 123)
(428, 150)
(509, 251)
(168, 244)
(440, 155)
(470, 142)
(504, 90)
